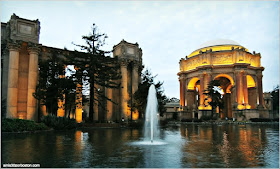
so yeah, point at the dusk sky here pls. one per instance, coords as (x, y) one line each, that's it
(166, 31)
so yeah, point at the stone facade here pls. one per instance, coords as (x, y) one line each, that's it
(20, 54)
(130, 56)
(20, 49)
(240, 74)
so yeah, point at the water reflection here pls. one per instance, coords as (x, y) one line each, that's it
(228, 145)
(186, 146)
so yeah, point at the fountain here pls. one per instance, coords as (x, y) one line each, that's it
(151, 130)
(151, 117)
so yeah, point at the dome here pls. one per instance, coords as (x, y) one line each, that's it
(218, 42)
(217, 45)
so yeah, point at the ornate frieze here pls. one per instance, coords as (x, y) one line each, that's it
(124, 62)
(222, 59)
(23, 29)
(226, 58)
(14, 45)
(192, 63)
(34, 48)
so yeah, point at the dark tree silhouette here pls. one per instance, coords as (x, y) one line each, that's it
(214, 95)
(275, 98)
(94, 67)
(52, 84)
(140, 96)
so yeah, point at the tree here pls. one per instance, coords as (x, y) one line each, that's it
(94, 67)
(275, 98)
(173, 99)
(140, 96)
(52, 85)
(214, 95)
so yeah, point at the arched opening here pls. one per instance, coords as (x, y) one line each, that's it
(196, 97)
(250, 81)
(252, 91)
(192, 97)
(226, 83)
(192, 83)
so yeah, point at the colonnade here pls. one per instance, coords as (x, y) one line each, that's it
(78, 101)
(20, 101)
(240, 90)
(125, 91)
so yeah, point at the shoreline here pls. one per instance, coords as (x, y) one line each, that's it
(106, 126)
(225, 122)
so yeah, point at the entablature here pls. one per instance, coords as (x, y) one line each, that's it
(223, 58)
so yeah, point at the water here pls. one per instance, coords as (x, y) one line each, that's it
(186, 146)
(151, 117)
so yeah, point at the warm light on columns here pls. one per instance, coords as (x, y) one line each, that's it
(61, 102)
(135, 115)
(79, 115)
(79, 106)
(61, 109)
(192, 82)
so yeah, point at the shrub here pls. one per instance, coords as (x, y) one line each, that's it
(175, 115)
(206, 118)
(276, 119)
(136, 124)
(186, 120)
(191, 120)
(18, 125)
(197, 120)
(260, 120)
(163, 122)
(59, 123)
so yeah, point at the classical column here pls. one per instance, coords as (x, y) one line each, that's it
(208, 79)
(135, 77)
(4, 79)
(61, 101)
(245, 91)
(182, 90)
(12, 93)
(201, 91)
(124, 94)
(260, 89)
(239, 91)
(32, 82)
(135, 82)
(109, 104)
(79, 105)
(190, 98)
(95, 105)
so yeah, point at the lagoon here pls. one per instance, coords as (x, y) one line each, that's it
(185, 146)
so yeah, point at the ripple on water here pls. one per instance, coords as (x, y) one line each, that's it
(154, 143)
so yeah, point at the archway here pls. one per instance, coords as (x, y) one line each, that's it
(192, 97)
(252, 91)
(226, 83)
(192, 83)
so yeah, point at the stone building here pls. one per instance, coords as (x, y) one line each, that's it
(172, 111)
(20, 51)
(240, 76)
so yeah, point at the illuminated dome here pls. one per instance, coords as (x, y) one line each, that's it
(217, 45)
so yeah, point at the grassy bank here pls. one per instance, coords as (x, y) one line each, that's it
(19, 125)
(59, 123)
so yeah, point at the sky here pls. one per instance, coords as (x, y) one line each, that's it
(165, 30)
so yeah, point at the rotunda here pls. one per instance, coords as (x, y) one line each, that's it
(239, 73)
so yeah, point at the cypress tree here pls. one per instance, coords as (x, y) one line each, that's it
(140, 96)
(94, 67)
(214, 95)
(52, 86)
